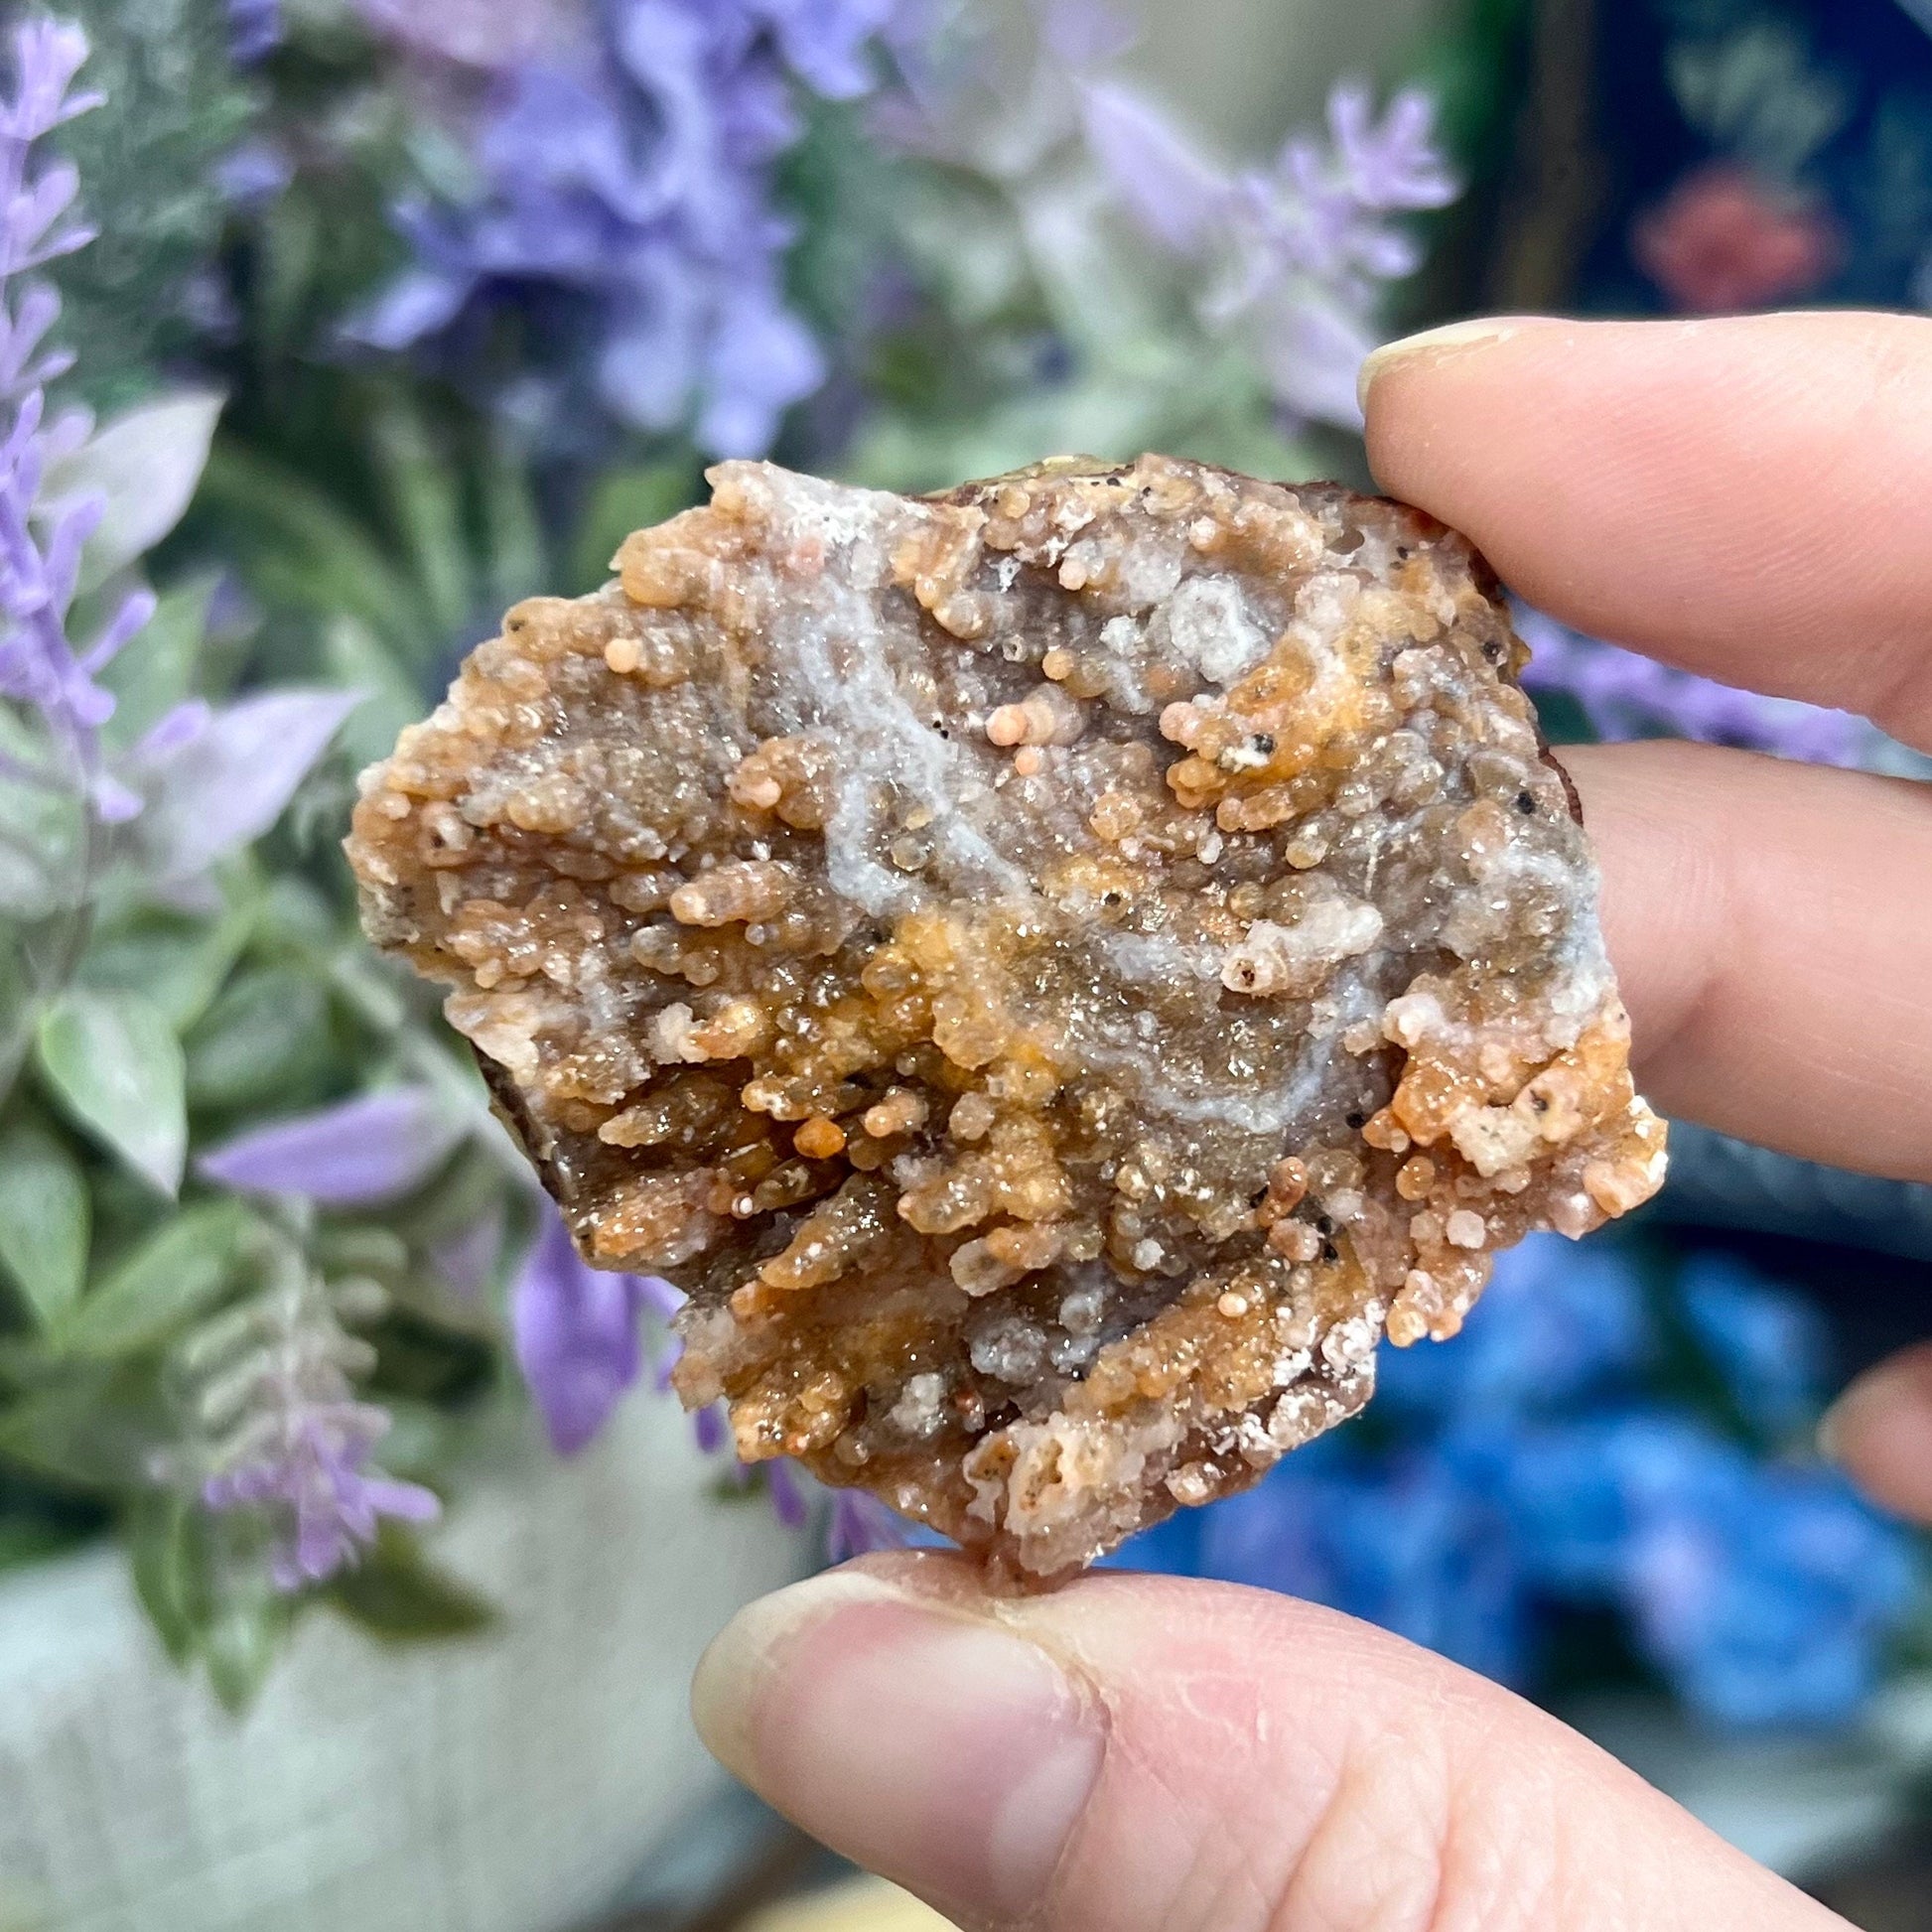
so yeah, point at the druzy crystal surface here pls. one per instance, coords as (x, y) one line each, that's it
(1059, 971)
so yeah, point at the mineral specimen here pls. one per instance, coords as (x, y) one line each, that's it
(1058, 970)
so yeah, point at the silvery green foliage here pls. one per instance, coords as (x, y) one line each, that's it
(280, 1429)
(171, 1347)
(1109, 288)
(141, 299)
(1296, 254)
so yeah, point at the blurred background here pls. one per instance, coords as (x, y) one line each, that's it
(352, 1559)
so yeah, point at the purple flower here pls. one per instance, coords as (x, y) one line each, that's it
(825, 42)
(860, 1524)
(1766, 1592)
(626, 217)
(371, 1148)
(1769, 1345)
(708, 1428)
(1084, 34)
(40, 542)
(253, 172)
(289, 1438)
(1297, 254)
(315, 1473)
(254, 30)
(1624, 695)
(575, 1331)
(784, 1485)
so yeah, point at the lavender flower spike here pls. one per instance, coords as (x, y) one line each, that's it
(314, 1471)
(1296, 255)
(40, 546)
(289, 1437)
(627, 202)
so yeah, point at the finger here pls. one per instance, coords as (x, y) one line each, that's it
(1769, 925)
(1745, 498)
(1142, 1752)
(1879, 1431)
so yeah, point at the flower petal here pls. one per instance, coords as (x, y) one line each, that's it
(575, 1331)
(368, 1149)
(1173, 190)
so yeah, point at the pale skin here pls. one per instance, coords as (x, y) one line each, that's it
(1741, 498)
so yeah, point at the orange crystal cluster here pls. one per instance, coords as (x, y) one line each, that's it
(1059, 971)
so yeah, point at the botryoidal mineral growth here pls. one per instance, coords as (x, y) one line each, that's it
(1059, 971)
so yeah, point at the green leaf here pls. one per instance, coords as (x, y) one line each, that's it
(156, 672)
(143, 466)
(114, 1064)
(514, 529)
(93, 1429)
(203, 1581)
(627, 501)
(297, 917)
(177, 966)
(302, 549)
(357, 1248)
(34, 1538)
(44, 1214)
(166, 1577)
(355, 657)
(260, 1037)
(398, 1594)
(242, 1643)
(290, 242)
(180, 1269)
(423, 498)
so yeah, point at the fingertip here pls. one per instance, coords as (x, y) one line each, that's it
(1395, 389)
(901, 1716)
(1721, 493)
(736, 1673)
(1879, 1431)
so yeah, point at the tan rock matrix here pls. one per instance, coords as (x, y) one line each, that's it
(1059, 971)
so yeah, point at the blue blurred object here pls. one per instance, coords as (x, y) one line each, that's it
(1767, 1347)
(1556, 1323)
(1537, 1465)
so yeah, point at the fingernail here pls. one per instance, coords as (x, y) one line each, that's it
(937, 1747)
(1473, 333)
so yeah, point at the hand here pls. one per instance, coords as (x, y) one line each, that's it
(1741, 498)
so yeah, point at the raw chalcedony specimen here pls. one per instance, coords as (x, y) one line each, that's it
(1059, 971)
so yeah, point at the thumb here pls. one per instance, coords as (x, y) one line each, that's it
(1142, 1752)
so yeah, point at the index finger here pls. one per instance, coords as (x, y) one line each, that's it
(1747, 498)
